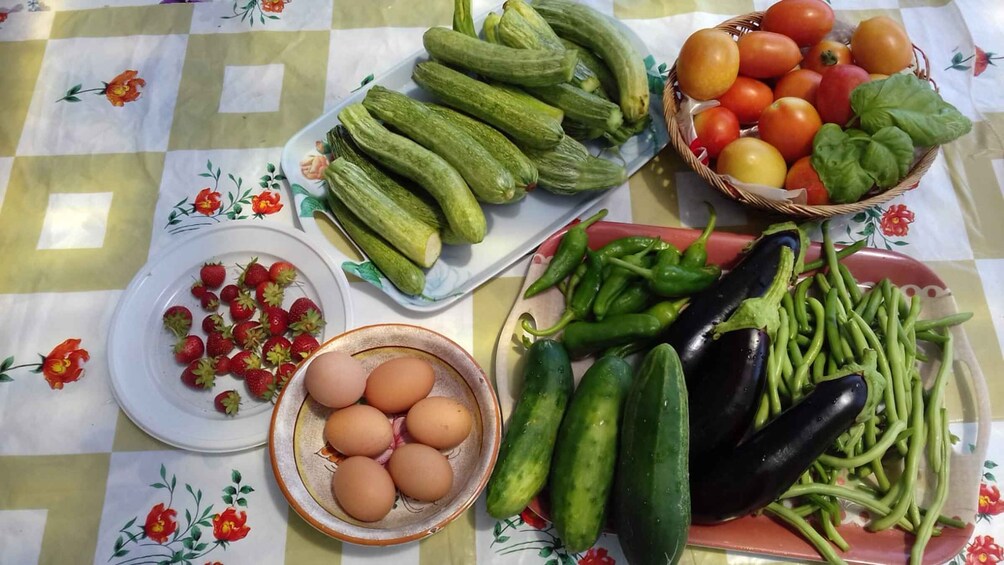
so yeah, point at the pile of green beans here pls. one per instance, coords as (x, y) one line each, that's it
(828, 322)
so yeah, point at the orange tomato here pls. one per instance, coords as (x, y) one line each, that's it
(789, 124)
(881, 45)
(716, 127)
(805, 21)
(802, 175)
(747, 97)
(752, 161)
(825, 54)
(800, 83)
(765, 54)
(708, 64)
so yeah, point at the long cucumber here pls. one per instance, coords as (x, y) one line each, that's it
(581, 106)
(515, 31)
(416, 240)
(486, 177)
(528, 67)
(411, 160)
(568, 168)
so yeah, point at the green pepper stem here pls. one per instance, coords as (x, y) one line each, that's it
(696, 254)
(591, 220)
(640, 271)
(566, 318)
(841, 254)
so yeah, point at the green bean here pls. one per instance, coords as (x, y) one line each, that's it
(823, 284)
(926, 527)
(891, 494)
(931, 336)
(804, 510)
(802, 340)
(795, 354)
(773, 376)
(895, 357)
(857, 338)
(833, 267)
(818, 366)
(801, 315)
(802, 371)
(832, 329)
(873, 305)
(911, 317)
(831, 365)
(841, 254)
(867, 297)
(952, 320)
(874, 453)
(789, 306)
(859, 497)
(934, 404)
(888, 393)
(852, 285)
(763, 412)
(811, 535)
(876, 464)
(911, 466)
(831, 532)
(914, 513)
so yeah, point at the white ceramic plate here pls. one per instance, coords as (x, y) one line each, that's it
(513, 230)
(145, 377)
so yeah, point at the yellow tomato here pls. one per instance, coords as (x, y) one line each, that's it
(708, 64)
(880, 45)
(753, 161)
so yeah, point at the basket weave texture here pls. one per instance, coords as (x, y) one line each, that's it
(672, 98)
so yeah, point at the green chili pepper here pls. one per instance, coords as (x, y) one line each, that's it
(674, 280)
(617, 281)
(666, 312)
(583, 338)
(635, 298)
(627, 246)
(581, 301)
(668, 256)
(567, 257)
(696, 254)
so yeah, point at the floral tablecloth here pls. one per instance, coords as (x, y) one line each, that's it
(126, 124)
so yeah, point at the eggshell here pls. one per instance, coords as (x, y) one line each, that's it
(335, 379)
(439, 422)
(396, 385)
(420, 472)
(358, 430)
(363, 488)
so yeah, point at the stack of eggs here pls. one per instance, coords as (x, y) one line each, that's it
(362, 485)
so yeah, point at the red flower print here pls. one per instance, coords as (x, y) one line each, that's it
(983, 551)
(266, 203)
(160, 523)
(596, 556)
(124, 88)
(230, 525)
(3, 17)
(896, 221)
(990, 500)
(274, 6)
(64, 364)
(981, 62)
(207, 201)
(213, 563)
(530, 518)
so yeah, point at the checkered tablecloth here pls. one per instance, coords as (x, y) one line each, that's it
(116, 116)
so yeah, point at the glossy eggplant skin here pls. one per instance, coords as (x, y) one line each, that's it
(726, 389)
(767, 463)
(691, 334)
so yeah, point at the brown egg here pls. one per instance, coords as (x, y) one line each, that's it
(396, 385)
(335, 379)
(439, 422)
(359, 430)
(420, 472)
(363, 488)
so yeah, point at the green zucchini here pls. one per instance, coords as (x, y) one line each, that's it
(463, 21)
(581, 132)
(607, 81)
(414, 239)
(524, 124)
(486, 177)
(529, 67)
(581, 106)
(585, 455)
(568, 168)
(530, 100)
(491, 28)
(430, 171)
(651, 495)
(405, 194)
(515, 31)
(525, 455)
(599, 34)
(400, 271)
(619, 136)
(499, 145)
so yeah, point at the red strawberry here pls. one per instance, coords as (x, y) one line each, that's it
(249, 334)
(275, 319)
(189, 377)
(199, 374)
(244, 361)
(276, 350)
(305, 317)
(302, 346)
(261, 383)
(242, 307)
(228, 402)
(282, 273)
(253, 275)
(222, 365)
(229, 293)
(218, 344)
(210, 302)
(283, 374)
(188, 349)
(178, 320)
(269, 293)
(213, 275)
(213, 323)
(198, 289)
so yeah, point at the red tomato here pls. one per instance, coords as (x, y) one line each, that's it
(880, 45)
(825, 54)
(764, 54)
(753, 161)
(789, 124)
(802, 175)
(800, 83)
(805, 21)
(716, 128)
(747, 97)
(833, 97)
(708, 63)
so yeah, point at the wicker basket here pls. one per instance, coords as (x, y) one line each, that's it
(672, 97)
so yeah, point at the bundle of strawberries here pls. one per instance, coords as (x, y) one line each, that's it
(269, 347)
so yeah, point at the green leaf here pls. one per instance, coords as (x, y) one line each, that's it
(228, 499)
(502, 539)
(989, 476)
(545, 551)
(120, 553)
(497, 529)
(551, 562)
(859, 217)
(129, 524)
(869, 229)
(196, 533)
(158, 485)
(270, 168)
(279, 176)
(366, 271)
(71, 99)
(297, 189)
(242, 502)
(237, 209)
(174, 482)
(246, 489)
(188, 517)
(309, 205)
(567, 559)
(263, 184)
(235, 476)
(119, 543)
(367, 80)
(201, 546)
(990, 464)
(187, 543)
(906, 101)
(6, 363)
(900, 243)
(163, 472)
(206, 175)
(5, 378)
(230, 490)
(837, 160)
